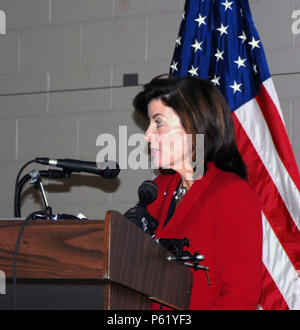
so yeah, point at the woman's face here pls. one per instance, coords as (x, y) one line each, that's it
(170, 145)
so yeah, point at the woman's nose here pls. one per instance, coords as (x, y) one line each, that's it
(148, 134)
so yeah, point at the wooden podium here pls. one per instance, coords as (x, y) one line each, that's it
(89, 264)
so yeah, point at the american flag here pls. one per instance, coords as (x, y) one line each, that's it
(218, 41)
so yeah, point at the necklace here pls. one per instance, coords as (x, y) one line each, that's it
(179, 193)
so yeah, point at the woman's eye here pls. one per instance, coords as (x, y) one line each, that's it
(158, 122)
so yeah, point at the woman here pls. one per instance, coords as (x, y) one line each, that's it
(216, 210)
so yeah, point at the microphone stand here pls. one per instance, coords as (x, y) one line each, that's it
(37, 181)
(35, 178)
(176, 246)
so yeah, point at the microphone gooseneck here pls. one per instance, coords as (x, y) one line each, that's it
(108, 169)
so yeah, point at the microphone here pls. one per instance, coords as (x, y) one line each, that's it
(107, 169)
(147, 193)
(139, 214)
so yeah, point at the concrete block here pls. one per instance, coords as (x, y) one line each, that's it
(130, 7)
(9, 55)
(6, 211)
(145, 70)
(129, 39)
(97, 43)
(114, 41)
(122, 97)
(90, 126)
(287, 87)
(48, 136)
(23, 105)
(274, 32)
(80, 101)
(20, 13)
(136, 7)
(50, 47)
(296, 126)
(282, 61)
(93, 125)
(98, 211)
(9, 170)
(23, 82)
(63, 11)
(163, 31)
(96, 76)
(8, 138)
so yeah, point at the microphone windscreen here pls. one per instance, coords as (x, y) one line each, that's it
(147, 192)
(109, 169)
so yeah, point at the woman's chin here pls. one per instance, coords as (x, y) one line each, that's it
(156, 164)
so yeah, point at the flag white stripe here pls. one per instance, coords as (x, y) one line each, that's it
(269, 86)
(280, 268)
(253, 122)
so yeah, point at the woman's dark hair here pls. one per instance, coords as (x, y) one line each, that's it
(202, 110)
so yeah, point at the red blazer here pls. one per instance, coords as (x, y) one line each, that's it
(221, 216)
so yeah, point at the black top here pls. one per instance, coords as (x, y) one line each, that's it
(172, 206)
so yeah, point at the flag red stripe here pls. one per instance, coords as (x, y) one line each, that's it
(278, 133)
(274, 208)
(271, 298)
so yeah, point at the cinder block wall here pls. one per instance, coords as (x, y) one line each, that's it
(61, 85)
(273, 19)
